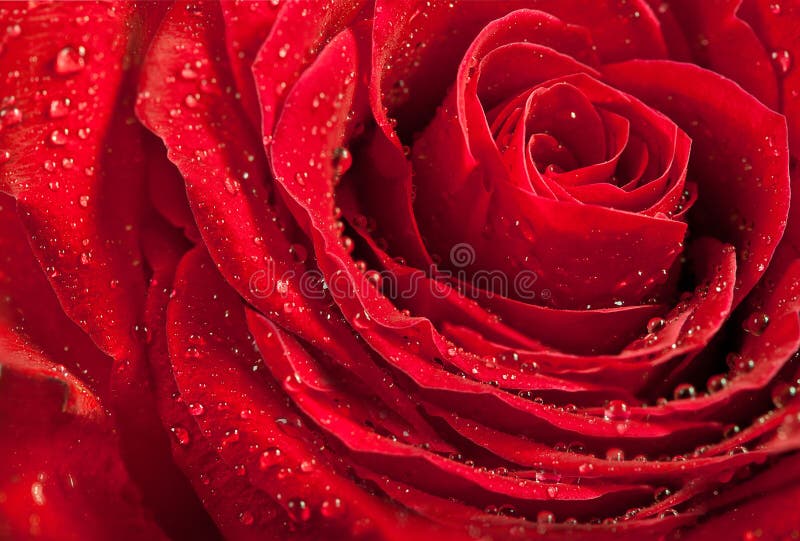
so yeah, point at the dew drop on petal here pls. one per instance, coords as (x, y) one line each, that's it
(684, 391)
(617, 410)
(10, 116)
(58, 108)
(716, 383)
(270, 458)
(545, 517)
(181, 434)
(662, 494)
(782, 394)
(656, 324)
(196, 409)
(58, 138)
(188, 73)
(782, 60)
(298, 510)
(342, 160)
(332, 508)
(70, 60)
(756, 323)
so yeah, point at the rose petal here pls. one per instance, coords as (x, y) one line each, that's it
(61, 476)
(742, 180)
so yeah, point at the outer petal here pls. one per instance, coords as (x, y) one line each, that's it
(740, 158)
(62, 476)
(78, 201)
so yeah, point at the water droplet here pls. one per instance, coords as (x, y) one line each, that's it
(196, 409)
(332, 508)
(270, 458)
(738, 364)
(298, 510)
(190, 101)
(58, 138)
(617, 410)
(181, 434)
(548, 476)
(716, 383)
(668, 513)
(231, 186)
(246, 518)
(684, 391)
(756, 324)
(70, 60)
(188, 73)
(4, 156)
(14, 30)
(782, 60)
(775, 8)
(782, 394)
(656, 324)
(342, 160)
(10, 116)
(615, 454)
(37, 493)
(662, 494)
(545, 517)
(731, 431)
(58, 108)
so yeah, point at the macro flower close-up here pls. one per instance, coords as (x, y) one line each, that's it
(400, 269)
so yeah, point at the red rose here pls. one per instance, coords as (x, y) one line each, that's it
(400, 270)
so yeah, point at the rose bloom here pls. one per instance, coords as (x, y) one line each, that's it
(400, 269)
